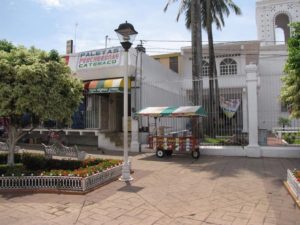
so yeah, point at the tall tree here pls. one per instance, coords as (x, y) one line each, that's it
(192, 9)
(35, 83)
(211, 12)
(290, 92)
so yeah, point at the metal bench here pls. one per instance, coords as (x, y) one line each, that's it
(63, 151)
(4, 147)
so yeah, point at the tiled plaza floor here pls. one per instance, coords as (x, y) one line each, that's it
(174, 190)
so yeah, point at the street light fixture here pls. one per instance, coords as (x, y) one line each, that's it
(126, 34)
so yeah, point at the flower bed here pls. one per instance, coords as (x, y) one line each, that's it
(293, 179)
(34, 172)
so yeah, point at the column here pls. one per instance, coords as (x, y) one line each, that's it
(253, 149)
(134, 146)
(245, 110)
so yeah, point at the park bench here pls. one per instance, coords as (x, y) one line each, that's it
(63, 151)
(4, 147)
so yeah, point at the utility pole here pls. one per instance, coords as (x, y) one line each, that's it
(76, 25)
(106, 39)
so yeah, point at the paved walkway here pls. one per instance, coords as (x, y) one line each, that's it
(175, 190)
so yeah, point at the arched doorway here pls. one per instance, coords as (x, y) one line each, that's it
(282, 30)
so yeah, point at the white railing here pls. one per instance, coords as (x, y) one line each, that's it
(66, 183)
(280, 130)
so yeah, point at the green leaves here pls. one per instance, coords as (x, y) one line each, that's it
(290, 92)
(38, 83)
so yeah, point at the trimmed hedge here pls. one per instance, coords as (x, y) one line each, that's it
(17, 170)
(3, 158)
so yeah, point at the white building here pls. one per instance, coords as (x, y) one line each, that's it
(102, 73)
(153, 84)
(269, 53)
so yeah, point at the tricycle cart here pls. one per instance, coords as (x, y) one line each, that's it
(180, 141)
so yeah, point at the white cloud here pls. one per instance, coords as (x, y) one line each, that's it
(50, 3)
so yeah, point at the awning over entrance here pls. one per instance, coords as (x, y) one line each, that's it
(106, 86)
(181, 111)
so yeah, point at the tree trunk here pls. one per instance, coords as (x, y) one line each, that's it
(11, 142)
(211, 71)
(196, 59)
(14, 135)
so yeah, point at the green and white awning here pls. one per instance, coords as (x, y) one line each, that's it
(181, 111)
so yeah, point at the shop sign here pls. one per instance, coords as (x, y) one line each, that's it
(99, 58)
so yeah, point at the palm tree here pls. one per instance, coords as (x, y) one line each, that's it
(194, 20)
(217, 9)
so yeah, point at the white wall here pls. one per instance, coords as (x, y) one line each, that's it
(160, 87)
(266, 12)
(228, 81)
(271, 68)
(270, 71)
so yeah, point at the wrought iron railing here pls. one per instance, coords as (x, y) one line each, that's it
(65, 183)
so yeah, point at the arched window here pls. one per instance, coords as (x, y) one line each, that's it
(282, 24)
(204, 68)
(228, 67)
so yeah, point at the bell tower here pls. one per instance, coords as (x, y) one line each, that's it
(272, 19)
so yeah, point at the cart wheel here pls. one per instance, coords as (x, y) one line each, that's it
(196, 154)
(169, 152)
(160, 153)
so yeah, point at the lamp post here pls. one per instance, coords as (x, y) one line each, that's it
(126, 34)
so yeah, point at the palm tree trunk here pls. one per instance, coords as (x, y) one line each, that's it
(196, 58)
(196, 51)
(211, 68)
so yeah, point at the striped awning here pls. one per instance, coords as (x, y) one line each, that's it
(181, 111)
(106, 86)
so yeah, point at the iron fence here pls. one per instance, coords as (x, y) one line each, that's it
(54, 183)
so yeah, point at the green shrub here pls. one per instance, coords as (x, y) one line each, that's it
(62, 164)
(17, 170)
(34, 161)
(3, 158)
(289, 137)
(37, 164)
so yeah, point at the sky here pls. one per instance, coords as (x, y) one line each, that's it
(48, 24)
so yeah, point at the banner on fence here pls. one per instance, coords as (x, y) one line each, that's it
(230, 106)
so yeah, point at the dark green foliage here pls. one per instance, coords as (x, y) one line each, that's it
(290, 92)
(54, 56)
(63, 164)
(6, 46)
(3, 158)
(34, 161)
(17, 170)
(219, 9)
(289, 137)
(37, 164)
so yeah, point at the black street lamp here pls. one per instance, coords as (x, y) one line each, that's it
(126, 34)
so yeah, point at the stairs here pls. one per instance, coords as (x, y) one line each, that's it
(112, 140)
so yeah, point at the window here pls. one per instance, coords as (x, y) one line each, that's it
(173, 63)
(228, 67)
(205, 68)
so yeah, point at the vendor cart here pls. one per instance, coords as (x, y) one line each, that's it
(178, 141)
